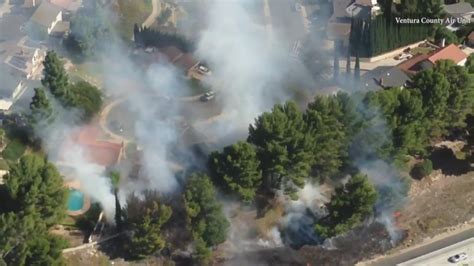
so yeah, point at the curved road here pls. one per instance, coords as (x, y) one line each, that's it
(154, 13)
(425, 249)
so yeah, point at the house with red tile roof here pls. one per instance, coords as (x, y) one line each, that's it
(96, 150)
(426, 61)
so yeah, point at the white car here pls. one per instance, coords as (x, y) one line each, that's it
(458, 257)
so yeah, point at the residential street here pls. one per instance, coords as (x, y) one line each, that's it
(286, 20)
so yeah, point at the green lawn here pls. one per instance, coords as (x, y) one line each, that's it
(14, 150)
(421, 50)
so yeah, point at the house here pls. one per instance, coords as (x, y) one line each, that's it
(384, 77)
(98, 151)
(70, 6)
(12, 86)
(171, 54)
(462, 10)
(426, 61)
(339, 25)
(46, 17)
(27, 60)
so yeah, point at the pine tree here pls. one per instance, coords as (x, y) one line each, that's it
(40, 106)
(348, 67)
(56, 79)
(357, 69)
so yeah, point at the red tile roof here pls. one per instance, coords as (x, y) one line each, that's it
(451, 52)
(101, 152)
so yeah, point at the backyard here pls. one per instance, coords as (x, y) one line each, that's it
(132, 12)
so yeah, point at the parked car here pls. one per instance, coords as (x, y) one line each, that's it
(458, 257)
(208, 96)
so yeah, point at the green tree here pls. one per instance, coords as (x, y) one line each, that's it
(40, 106)
(470, 64)
(357, 69)
(434, 88)
(237, 169)
(422, 169)
(145, 220)
(35, 185)
(205, 218)
(115, 179)
(284, 147)
(323, 118)
(55, 78)
(350, 204)
(87, 98)
(460, 101)
(443, 33)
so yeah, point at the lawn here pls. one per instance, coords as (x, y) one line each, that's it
(132, 12)
(14, 150)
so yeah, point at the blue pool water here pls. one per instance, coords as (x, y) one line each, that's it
(75, 201)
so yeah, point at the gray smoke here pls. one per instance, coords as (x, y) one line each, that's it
(248, 64)
(73, 160)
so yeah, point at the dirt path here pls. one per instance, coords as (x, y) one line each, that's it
(154, 13)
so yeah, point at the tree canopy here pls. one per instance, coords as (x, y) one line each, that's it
(145, 219)
(350, 204)
(37, 200)
(284, 147)
(206, 220)
(237, 169)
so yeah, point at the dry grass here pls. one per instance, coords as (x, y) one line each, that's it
(132, 12)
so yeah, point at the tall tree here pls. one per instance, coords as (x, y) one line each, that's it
(357, 69)
(36, 185)
(434, 88)
(115, 179)
(55, 78)
(237, 170)
(284, 147)
(86, 98)
(40, 106)
(350, 204)
(145, 220)
(331, 143)
(206, 221)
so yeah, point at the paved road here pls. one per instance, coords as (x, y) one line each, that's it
(440, 257)
(154, 13)
(394, 260)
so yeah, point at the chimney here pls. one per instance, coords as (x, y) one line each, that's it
(381, 81)
(443, 42)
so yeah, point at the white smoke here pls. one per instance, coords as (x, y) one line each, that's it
(248, 64)
(63, 151)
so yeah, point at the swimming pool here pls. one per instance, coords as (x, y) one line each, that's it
(75, 201)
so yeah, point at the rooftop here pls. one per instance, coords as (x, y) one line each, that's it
(451, 52)
(69, 5)
(45, 14)
(459, 8)
(424, 61)
(384, 77)
(10, 79)
(101, 152)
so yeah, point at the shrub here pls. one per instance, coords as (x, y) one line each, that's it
(422, 169)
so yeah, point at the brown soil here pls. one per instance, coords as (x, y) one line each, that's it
(436, 203)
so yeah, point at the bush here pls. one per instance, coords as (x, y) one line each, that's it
(14, 150)
(422, 169)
